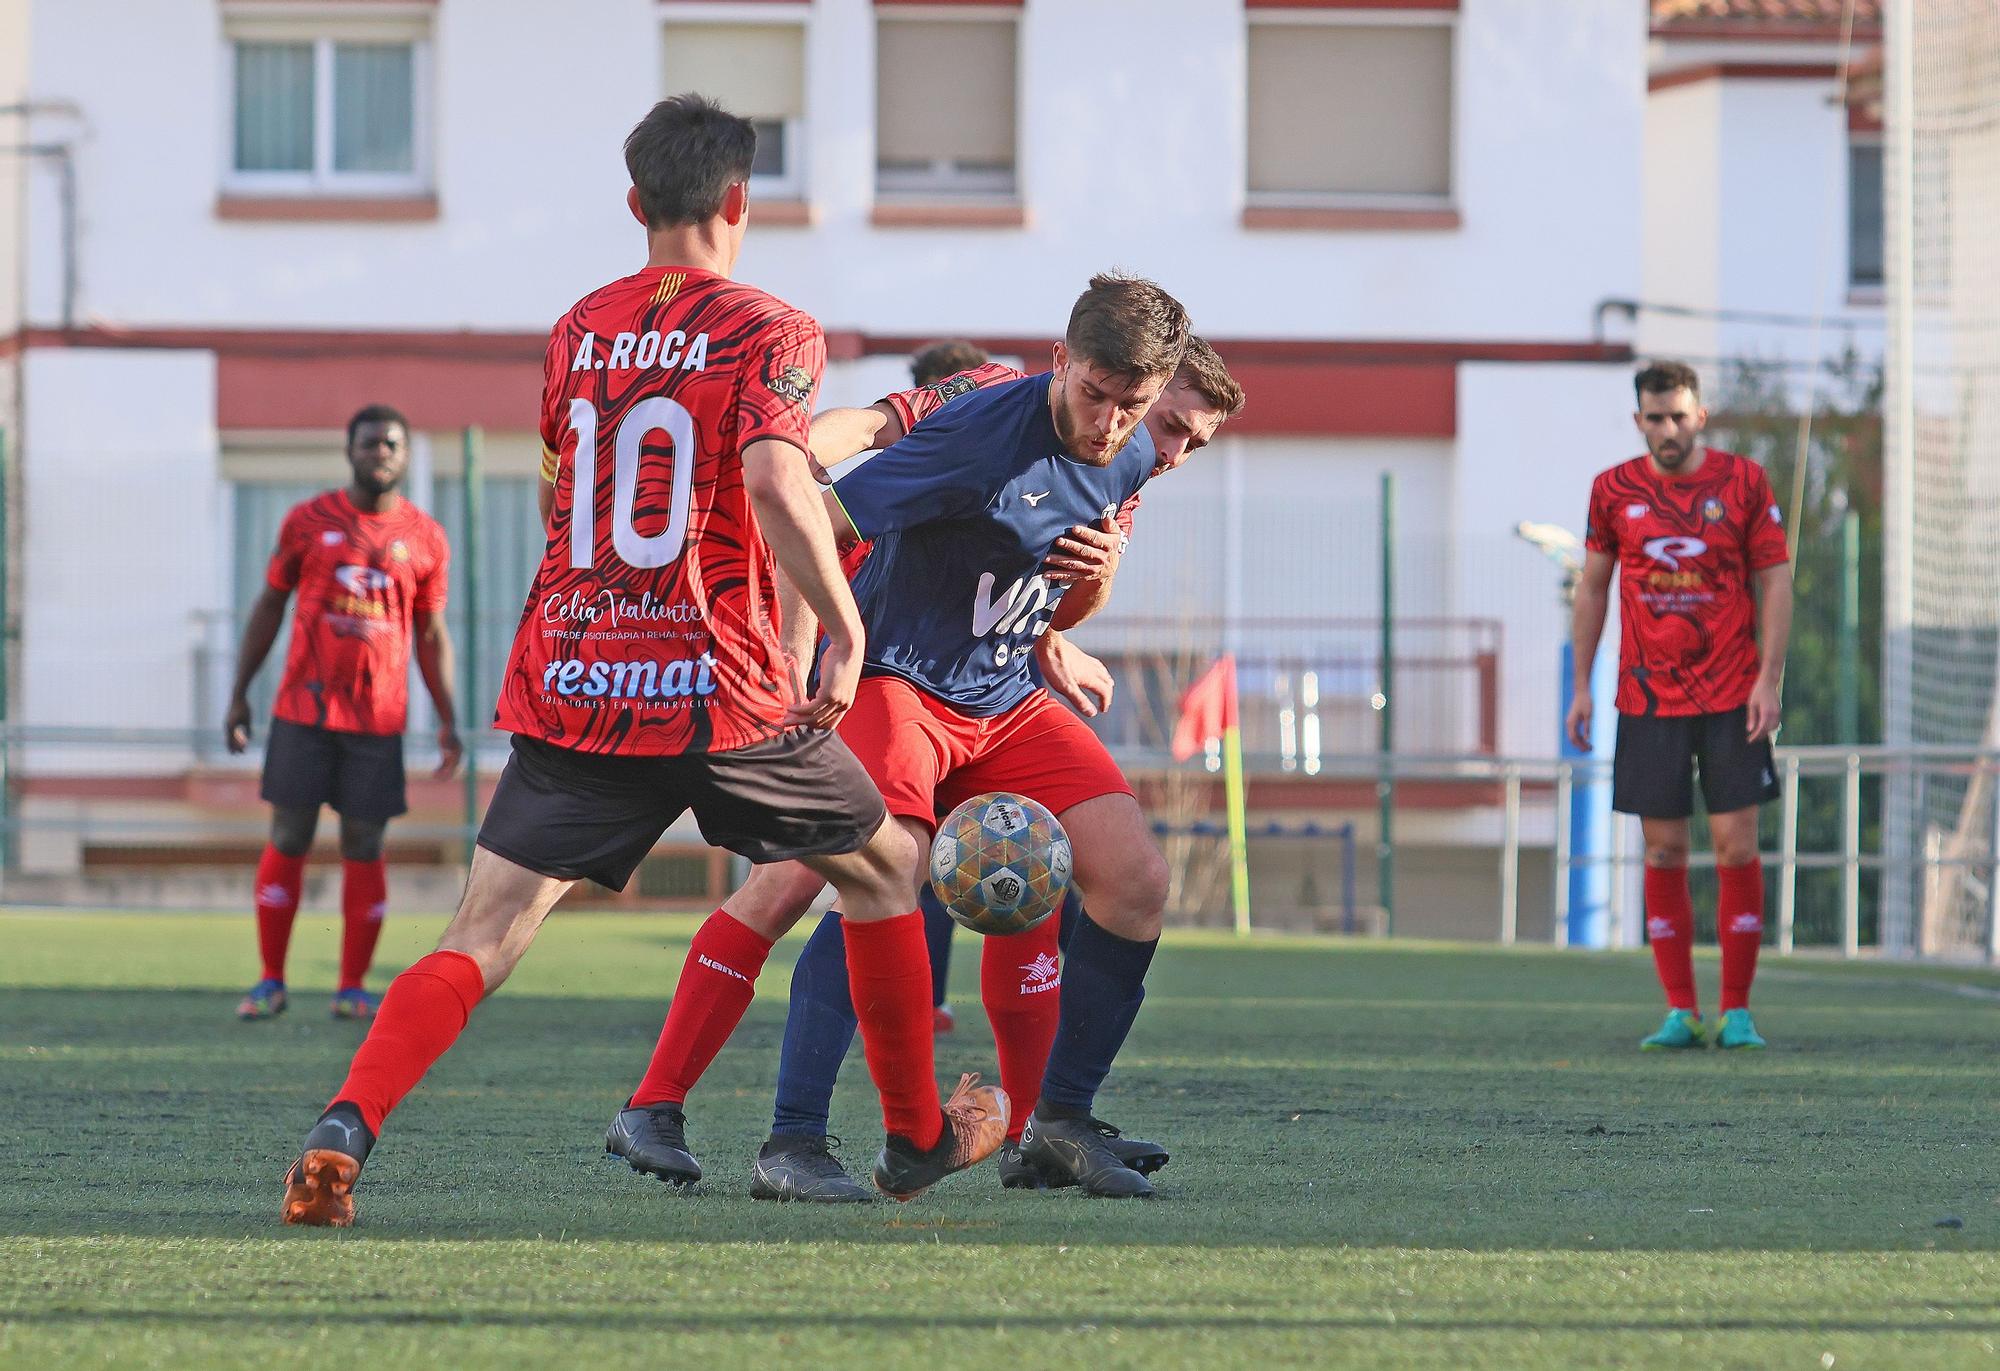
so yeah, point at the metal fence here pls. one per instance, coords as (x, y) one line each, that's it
(1840, 877)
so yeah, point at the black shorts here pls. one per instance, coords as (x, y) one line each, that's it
(359, 774)
(1652, 774)
(585, 816)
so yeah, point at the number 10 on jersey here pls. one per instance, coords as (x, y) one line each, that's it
(656, 413)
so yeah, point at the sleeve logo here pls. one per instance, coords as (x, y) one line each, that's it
(951, 387)
(794, 384)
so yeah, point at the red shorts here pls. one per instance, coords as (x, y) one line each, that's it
(926, 757)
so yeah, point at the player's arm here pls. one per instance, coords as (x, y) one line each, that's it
(793, 518)
(435, 662)
(1593, 602)
(1774, 632)
(841, 434)
(267, 617)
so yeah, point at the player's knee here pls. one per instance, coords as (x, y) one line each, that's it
(1666, 856)
(361, 841)
(1733, 851)
(292, 830)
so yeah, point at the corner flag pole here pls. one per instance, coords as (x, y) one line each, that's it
(1233, 799)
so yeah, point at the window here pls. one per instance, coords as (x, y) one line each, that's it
(944, 106)
(756, 70)
(339, 111)
(1350, 109)
(1864, 213)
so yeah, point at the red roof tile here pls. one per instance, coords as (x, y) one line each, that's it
(1773, 17)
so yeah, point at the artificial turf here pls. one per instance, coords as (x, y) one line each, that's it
(1385, 1155)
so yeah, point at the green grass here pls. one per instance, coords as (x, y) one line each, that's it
(1383, 1157)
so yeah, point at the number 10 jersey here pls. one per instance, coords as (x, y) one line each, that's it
(651, 628)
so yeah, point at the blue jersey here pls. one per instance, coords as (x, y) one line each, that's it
(963, 512)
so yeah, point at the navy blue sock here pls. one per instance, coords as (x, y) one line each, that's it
(1071, 914)
(819, 1028)
(937, 935)
(1103, 984)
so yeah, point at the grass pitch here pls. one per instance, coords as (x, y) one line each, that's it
(1384, 1157)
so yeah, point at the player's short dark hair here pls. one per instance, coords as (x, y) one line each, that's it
(684, 156)
(1201, 367)
(1128, 326)
(1660, 378)
(936, 361)
(376, 414)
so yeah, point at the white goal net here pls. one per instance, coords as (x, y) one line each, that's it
(1941, 107)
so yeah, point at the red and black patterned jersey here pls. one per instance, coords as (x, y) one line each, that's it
(361, 578)
(651, 627)
(1686, 547)
(912, 407)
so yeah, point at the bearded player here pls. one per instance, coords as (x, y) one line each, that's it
(370, 570)
(1020, 977)
(647, 677)
(964, 512)
(1705, 608)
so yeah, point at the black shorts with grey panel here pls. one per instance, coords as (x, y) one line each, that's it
(359, 774)
(1653, 771)
(588, 816)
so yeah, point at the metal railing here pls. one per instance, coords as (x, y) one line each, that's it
(1910, 831)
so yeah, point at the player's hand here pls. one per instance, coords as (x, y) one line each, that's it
(1074, 675)
(1085, 553)
(451, 752)
(236, 725)
(1578, 724)
(839, 676)
(1760, 715)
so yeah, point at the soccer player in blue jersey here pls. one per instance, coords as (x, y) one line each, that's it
(964, 512)
(1020, 977)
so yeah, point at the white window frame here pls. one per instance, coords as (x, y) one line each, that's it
(1374, 19)
(791, 183)
(324, 28)
(940, 183)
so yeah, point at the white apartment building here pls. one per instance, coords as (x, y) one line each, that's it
(232, 222)
(1763, 206)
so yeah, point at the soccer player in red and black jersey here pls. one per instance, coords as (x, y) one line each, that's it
(1705, 609)
(370, 570)
(647, 676)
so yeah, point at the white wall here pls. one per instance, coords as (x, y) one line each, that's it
(1530, 441)
(123, 538)
(1683, 233)
(1746, 209)
(1132, 133)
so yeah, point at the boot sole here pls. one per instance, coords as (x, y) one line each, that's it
(323, 1195)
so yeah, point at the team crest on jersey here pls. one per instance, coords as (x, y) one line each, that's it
(1711, 509)
(794, 384)
(399, 551)
(951, 387)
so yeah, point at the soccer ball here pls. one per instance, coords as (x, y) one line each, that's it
(1000, 863)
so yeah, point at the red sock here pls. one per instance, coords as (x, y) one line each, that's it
(278, 879)
(421, 1016)
(716, 985)
(1021, 986)
(889, 976)
(1670, 928)
(1739, 928)
(364, 895)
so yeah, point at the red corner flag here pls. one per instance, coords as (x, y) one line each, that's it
(1208, 710)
